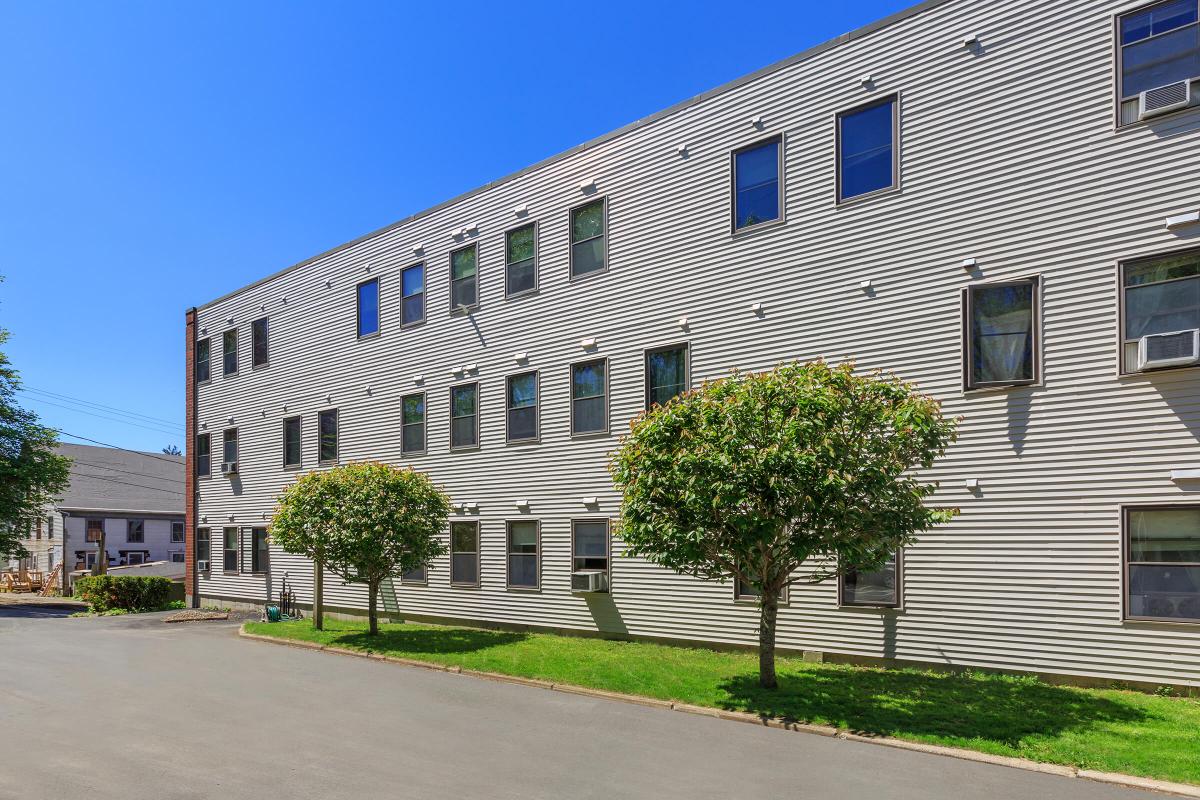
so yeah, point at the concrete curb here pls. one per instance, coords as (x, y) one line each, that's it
(1116, 779)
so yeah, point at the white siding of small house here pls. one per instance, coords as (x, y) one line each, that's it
(1009, 156)
(157, 538)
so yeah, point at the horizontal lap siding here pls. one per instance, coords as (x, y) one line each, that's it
(1008, 156)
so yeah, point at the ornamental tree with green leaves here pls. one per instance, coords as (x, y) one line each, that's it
(364, 522)
(32, 473)
(754, 475)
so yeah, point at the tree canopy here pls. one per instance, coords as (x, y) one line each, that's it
(32, 473)
(751, 476)
(364, 521)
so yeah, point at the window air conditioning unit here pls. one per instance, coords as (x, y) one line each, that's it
(592, 580)
(1164, 99)
(1169, 349)
(229, 468)
(202, 565)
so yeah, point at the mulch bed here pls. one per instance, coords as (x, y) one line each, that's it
(196, 615)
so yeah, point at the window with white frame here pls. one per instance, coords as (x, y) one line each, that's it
(522, 411)
(464, 287)
(589, 397)
(464, 553)
(412, 423)
(523, 554)
(1001, 327)
(95, 530)
(177, 558)
(588, 234)
(1162, 563)
(1158, 46)
(879, 588)
(1160, 309)
(464, 416)
(135, 530)
(520, 260)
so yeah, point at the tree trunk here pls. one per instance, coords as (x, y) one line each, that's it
(372, 608)
(766, 640)
(318, 595)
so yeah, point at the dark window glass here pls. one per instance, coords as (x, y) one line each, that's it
(1161, 296)
(1163, 550)
(464, 553)
(258, 340)
(412, 423)
(368, 308)
(176, 532)
(291, 442)
(417, 575)
(203, 544)
(522, 407)
(756, 184)
(587, 238)
(589, 546)
(229, 351)
(666, 375)
(589, 404)
(1001, 320)
(95, 529)
(412, 303)
(203, 360)
(203, 454)
(464, 415)
(523, 554)
(519, 258)
(876, 588)
(462, 278)
(866, 149)
(1159, 45)
(260, 553)
(327, 430)
(230, 550)
(135, 531)
(746, 591)
(230, 450)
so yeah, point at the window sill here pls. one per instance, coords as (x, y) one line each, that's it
(869, 607)
(413, 583)
(412, 453)
(410, 325)
(466, 449)
(534, 440)
(464, 311)
(587, 276)
(758, 227)
(292, 467)
(464, 585)
(524, 589)
(522, 295)
(332, 463)
(1159, 371)
(1000, 387)
(590, 435)
(367, 336)
(867, 197)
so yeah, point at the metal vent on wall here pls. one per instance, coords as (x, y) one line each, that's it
(1169, 349)
(1153, 102)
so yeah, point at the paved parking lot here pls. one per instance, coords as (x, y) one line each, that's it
(131, 708)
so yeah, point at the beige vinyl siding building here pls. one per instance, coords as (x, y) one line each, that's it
(1009, 170)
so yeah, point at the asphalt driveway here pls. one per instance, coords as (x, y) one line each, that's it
(131, 708)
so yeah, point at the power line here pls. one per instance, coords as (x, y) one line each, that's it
(98, 465)
(115, 447)
(107, 417)
(127, 483)
(101, 405)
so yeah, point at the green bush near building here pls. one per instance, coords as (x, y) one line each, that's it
(124, 592)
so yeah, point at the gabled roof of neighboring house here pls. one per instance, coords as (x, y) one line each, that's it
(109, 479)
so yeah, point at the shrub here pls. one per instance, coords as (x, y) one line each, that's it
(126, 592)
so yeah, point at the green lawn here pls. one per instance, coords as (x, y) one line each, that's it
(1109, 730)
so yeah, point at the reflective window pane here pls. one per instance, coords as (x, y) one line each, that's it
(875, 588)
(462, 263)
(522, 406)
(203, 364)
(666, 375)
(1002, 334)
(589, 413)
(756, 184)
(1159, 61)
(1164, 591)
(259, 353)
(368, 308)
(1162, 308)
(1157, 19)
(1164, 535)
(866, 150)
(412, 302)
(464, 416)
(327, 424)
(229, 342)
(587, 238)
(291, 442)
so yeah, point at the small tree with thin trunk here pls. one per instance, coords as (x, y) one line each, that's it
(752, 476)
(365, 522)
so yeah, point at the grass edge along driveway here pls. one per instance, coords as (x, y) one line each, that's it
(1108, 730)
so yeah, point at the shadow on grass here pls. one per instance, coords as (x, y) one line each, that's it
(449, 640)
(999, 709)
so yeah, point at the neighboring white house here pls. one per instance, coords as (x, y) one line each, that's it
(999, 201)
(135, 499)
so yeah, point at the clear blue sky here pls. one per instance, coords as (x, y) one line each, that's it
(156, 155)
